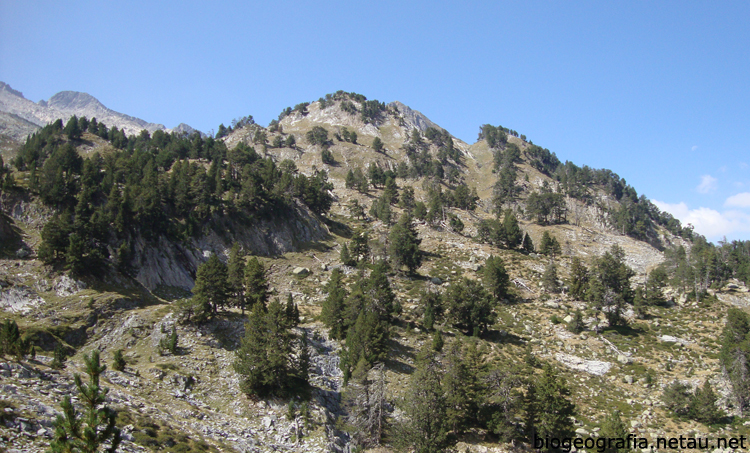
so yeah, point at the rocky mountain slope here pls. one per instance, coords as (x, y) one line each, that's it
(190, 400)
(63, 105)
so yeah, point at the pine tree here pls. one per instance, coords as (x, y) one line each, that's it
(118, 361)
(432, 306)
(425, 429)
(74, 253)
(639, 304)
(549, 406)
(350, 181)
(474, 360)
(653, 294)
(549, 278)
(366, 343)
(59, 357)
(735, 355)
(404, 244)
(376, 174)
(365, 405)
(356, 210)
(513, 233)
(345, 256)
(377, 145)
(614, 428)
(579, 276)
(96, 427)
(211, 287)
(381, 210)
(292, 311)
(256, 285)
(458, 402)
(11, 341)
(406, 200)
(379, 293)
(676, 398)
(576, 325)
(73, 129)
(236, 276)
(527, 245)
(703, 405)
(437, 341)
(169, 343)
(265, 356)
(390, 191)
(504, 401)
(609, 285)
(549, 245)
(496, 278)
(360, 248)
(420, 210)
(470, 306)
(355, 303)
(332, 311)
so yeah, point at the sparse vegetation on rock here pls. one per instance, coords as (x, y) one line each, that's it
(411, 332)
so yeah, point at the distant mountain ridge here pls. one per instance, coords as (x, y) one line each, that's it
(68, 103)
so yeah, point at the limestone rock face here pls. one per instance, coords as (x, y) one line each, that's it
(413, 118)
(19, 299)
(595, 367)
(170, 263)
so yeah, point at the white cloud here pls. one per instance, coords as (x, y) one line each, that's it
(708, 222)
(708, 184)
(694, 147)
(741, 200)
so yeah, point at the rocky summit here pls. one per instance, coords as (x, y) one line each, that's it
(20, 116)
(349, 278)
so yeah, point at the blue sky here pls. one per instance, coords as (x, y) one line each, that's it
(658, 92)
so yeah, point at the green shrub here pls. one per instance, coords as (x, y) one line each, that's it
(118, 362)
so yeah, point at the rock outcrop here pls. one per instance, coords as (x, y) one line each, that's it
(164, 262)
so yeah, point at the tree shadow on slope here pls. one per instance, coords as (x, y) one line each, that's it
(626, 331)
(10, 238)
(399, 357)
(503, 337)
(338, 228)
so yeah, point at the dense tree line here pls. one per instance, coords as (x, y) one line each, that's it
(706, 265)
(435, 157)
(506, 233)
(698, 405)
(271, 359)
(735, 356)
(546, 207)
(151, 185)
(362, 316)
(633, 215)
(605, 284)
(452, 393)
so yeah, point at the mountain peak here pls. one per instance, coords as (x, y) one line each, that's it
(5, 87)
(65, 104)
(73, 100)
